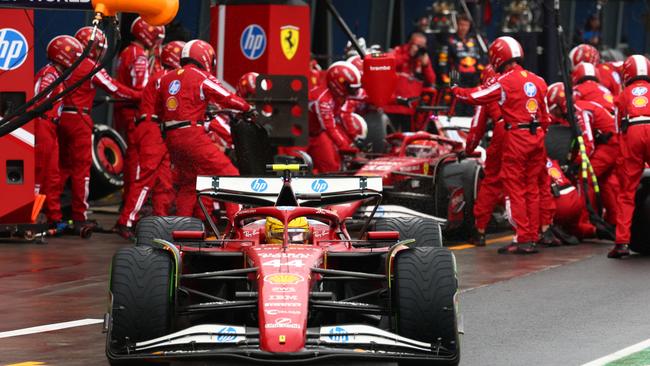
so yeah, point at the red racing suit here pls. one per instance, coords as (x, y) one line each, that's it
(595, 92)
(610, 78)
(181, 99)
(632, 104)
(571, 213)
(522, 98)
(76, 128)
(491, 189)
(153, 170)
(132, 70)
(47, 145)
(326, 136)
(605, 145)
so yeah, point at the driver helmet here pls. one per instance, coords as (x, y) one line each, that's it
(298, 231)
(422, 149)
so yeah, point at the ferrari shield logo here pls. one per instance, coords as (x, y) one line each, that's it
(289, 37)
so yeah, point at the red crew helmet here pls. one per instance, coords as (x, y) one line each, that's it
(584, 53)
(64, 50)
(555, 97)
(636, 67)
(584, 71)
(170, 56)
(99, 49)
(343, 79)
(246, 85)
(357, 61)
(149, 35)
(503, 50)
(201, 54)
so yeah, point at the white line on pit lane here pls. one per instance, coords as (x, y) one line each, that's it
(620, 354)
(49, 327)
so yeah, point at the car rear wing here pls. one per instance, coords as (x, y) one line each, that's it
(304, 188)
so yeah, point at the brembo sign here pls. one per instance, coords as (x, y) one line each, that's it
(55, 4)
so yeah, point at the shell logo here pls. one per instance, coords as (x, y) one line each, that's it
(640, 102)
(532, 106)
(554, 173)
(524, 74)
(283, 279)
(609, 98)
(172, 103)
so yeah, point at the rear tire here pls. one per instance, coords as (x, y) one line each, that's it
(640, 228)
(426, 232)
(378, 127)
(141, 285)
(162, 227)
(426, 287)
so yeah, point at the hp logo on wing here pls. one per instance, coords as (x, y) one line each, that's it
(13, 49)
(259, 185)
(319, 186)
(253, 42)
(226, 334)
(339, 334)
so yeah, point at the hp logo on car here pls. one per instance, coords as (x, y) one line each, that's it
(253, 42)
(226, 334)
(13, 49)
(319, 186)
(339, 334)
(259, 185)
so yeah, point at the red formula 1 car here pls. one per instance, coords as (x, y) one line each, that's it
(284, 282)
(425, 173)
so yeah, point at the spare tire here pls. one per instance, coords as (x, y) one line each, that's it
(162, 227)
(107, 170)
(252, 147)
(455, 193)
(426, 232)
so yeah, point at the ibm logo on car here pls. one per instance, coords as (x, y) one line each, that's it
(319, 186)
(253, 42)
(13, 49)
(259, 185)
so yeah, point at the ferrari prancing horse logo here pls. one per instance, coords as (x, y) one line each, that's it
(289, 37)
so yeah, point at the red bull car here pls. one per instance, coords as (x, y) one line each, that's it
(285, 282)
(425, 173)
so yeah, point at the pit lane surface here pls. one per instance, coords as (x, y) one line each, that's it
(566, 306)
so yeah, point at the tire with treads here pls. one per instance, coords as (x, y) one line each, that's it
(426, 287)
(162, 227)
(140, 283)
(107, 169)
(426, 232)
(378, 127)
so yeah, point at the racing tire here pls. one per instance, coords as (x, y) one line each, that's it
(141, 283)
(108, 156)
(466, 174)
(252, 147)
(426, 290)
(640, 228)
(378, 127)
(426, 232)
(162, 227)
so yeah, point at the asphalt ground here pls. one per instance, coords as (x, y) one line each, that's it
(564, 306)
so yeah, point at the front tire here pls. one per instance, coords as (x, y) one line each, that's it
(426, 287)
(141, 285)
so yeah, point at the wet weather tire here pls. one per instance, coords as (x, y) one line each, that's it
(425, 289)
(426, 232)
(141, 280)
(162, 227)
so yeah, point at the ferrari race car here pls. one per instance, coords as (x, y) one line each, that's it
(425, 173)
(284, 282)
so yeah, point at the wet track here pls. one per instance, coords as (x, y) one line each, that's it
(566, 306)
